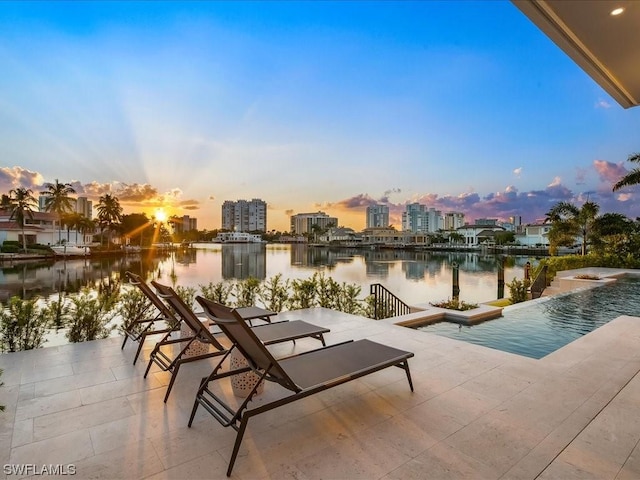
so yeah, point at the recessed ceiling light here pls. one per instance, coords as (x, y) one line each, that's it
(617, 11)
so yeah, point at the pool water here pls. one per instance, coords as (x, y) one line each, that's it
(538, 328)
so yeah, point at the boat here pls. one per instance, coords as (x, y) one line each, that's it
(71, 250)
(237, 237)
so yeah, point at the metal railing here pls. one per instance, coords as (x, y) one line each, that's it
(540, 283)
(386, 304)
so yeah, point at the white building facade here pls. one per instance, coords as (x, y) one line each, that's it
(418, 218)
(377, 216)
(302, 223)
(244, 215)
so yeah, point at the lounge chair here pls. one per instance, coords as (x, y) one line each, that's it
(271, 333)
(154, 320)
(303, 375)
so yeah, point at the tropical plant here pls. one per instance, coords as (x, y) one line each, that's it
(274, 293)
(518, 290)
(57, 310)
(217, 292)
(109, 213)
(5, 201)
(631, 178)
(57, 200)
(89, 317)
(303, 293)
(569, 221)
(187, 294)
(456, 237)
(246, 292)
(84, 225)
(455, 304)
(132, 307)
(22, 325)
(23, 204)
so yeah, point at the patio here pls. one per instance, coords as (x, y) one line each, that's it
(476, 413)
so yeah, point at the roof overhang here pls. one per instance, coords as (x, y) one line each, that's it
(605, 46)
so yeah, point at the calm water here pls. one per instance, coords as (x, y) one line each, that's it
(539, 328)
(412, 276)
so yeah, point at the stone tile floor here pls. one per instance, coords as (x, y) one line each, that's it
(476, 413)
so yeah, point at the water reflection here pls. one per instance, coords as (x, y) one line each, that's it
(243, 261)
(415, 276)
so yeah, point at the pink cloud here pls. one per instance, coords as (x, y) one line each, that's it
(609, 172)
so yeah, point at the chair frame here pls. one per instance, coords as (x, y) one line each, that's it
(144, 326)
(292, 331)
(268, 368)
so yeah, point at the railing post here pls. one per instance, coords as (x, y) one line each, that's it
(501, 262)
(455, 280)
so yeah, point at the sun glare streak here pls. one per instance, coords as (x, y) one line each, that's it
(160, 215)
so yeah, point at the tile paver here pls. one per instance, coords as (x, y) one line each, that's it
(476, 413)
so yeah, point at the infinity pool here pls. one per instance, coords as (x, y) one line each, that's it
(538, 328)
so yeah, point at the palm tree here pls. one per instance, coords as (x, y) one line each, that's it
(5, 202)
(71, 220)
(84, 226)
(23, 204)
(569, 222)
(631, 178)
(109, 212)
(58, 200)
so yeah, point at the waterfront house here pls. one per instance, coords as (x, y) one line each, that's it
(43, 228)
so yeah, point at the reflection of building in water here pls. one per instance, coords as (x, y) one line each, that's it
(185, 256)
(241, 261)
(42, 279)
(303, 256)
(377, 268)
(414, 270)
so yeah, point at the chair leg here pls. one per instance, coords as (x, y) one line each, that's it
(174, 374)
(406, 369)
(146, 372)
(125, 341)
(236, 446)
(140, 345)
(196, 403)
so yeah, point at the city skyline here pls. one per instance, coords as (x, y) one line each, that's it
(310, 106)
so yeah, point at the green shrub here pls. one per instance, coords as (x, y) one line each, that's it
(274, 293)
(22, 325)
(187, 294)
(217, 292)
(303, 293)
(246, 292)
(89, 317)
(132, 307)
(57, 310)
(455, 304)
(518, 290)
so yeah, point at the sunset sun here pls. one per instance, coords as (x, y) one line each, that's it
(160, 215)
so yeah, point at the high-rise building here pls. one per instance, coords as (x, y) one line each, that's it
(42, 203)
(84, 207)
(304, 222)
(418, 218)
(244, 216)
(453, 220)
(184, 224)
(377, 216)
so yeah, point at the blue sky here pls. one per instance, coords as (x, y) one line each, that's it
(462, 106)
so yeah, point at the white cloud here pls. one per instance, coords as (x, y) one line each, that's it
(603, 104)
(556, 181)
